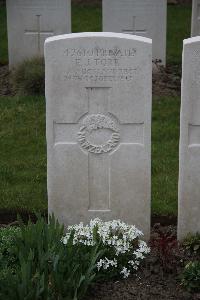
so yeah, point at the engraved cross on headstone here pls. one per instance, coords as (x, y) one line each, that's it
(106, 131)
(38, 33)
(194, 135)
(133, 30)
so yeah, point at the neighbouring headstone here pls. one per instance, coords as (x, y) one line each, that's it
(189, 161)
(195, 25)
(30, 22)
(98, 96)
(146, 18)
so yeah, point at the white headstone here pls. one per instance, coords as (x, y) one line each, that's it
(98, 95)
(195, 26)
(140, 17)
(30, 22)
(189, 161)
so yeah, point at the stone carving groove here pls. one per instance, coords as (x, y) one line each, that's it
(96, 122)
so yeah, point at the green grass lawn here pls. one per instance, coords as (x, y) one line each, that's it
(22, 153)
(165, 142)
(22, 129)
(178, 29)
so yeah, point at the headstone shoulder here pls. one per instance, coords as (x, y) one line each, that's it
(99, 34)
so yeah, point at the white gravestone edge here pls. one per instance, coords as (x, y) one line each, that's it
(98, 34)
(184, 226)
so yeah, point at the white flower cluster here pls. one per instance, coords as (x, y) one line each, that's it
(118, 235)
(115, 235)
(134, 264)
(82, 234)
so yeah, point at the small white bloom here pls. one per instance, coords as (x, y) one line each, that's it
(106, 263)
(125, 272)
(64, 240)
(138, 255)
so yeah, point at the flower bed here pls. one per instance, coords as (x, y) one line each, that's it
(101, 260)
(120, 244)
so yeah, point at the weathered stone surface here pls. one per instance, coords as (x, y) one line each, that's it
(189, 161)
(98, 95)
(195, 24)
(30, 22)
(140, 17)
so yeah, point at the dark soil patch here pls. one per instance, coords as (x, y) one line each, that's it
(87, 2)
(167, 81)
(5, 85)
(9, 216)
(179, 1)
(145, 286)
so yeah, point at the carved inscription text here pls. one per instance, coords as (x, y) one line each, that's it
(99, 64)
